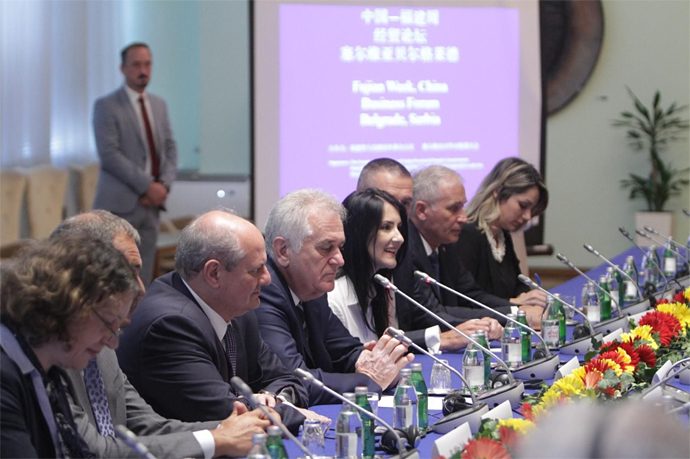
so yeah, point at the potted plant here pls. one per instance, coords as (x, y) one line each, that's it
(652, 129)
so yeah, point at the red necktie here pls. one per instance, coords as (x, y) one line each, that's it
(155, 166)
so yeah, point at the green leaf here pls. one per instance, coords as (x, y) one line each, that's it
(609, 380)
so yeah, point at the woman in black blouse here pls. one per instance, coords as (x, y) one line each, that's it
(508, 198)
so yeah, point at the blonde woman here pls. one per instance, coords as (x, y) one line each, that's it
(508, 198)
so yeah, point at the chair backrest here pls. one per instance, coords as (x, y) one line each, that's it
(45, 199)
(88, 181)
(521, 250)
(12, 186)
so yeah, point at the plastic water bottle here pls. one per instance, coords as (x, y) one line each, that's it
(417, 379)
(511, 343)
(258, 449)
(405, 402)
(590, 303)
(473, 369)
(551, 323)
(368, 423)
(629, 288)
(348, 429)
(274, 444)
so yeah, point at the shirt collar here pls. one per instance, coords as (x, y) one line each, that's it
(295, 298)
(220, 326)
(427, 247)
(14, 351)
(134, 96)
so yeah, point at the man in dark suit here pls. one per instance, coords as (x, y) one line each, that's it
(111, 400)
(304, 234)
(437, 214)
(195, 329)
(392, 177)
(137, 151)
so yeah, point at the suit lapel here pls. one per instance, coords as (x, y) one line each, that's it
(130, 115)
(420, 258)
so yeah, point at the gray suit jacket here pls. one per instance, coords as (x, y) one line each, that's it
(122, 151)
(164, 437)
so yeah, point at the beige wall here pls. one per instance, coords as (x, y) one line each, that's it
(646, 47)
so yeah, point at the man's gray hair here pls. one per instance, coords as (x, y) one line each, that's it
(96, 224)
(377, 165)
(427, 183)
(289, 217)
(200, 242)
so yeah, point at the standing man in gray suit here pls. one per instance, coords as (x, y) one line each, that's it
(102, 396)
(137, 152)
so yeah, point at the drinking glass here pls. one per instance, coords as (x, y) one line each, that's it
(440, 379)
(373, 398)
(313, 437)
(569, 313)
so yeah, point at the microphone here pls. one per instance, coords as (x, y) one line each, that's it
(686, 212)
(579, 345)
(247, 392)
(403, 452)
(593, 251)
(649, 229)
(543, 368)
(127, 436)
(608, 325)
(472, 414)
(625, 233)
(669, 376)
(512, 391)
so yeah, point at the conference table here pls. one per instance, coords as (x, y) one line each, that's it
(572, 287)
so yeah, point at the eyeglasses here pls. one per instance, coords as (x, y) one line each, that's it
(113, 333)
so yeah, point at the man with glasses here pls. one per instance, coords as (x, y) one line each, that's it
(102, 397)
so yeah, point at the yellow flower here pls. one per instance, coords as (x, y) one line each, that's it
(580, 372)
(538, 410)
(626, 361)
(551, 398)
(644, 332)
(521, 426)
(679, 310)
(687, 294)
(569, 385)
(613, 366)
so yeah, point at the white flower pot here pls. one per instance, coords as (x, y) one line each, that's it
(660, 221)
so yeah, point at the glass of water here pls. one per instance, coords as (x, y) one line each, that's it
(440, 383)
(313, 436)
(569, 313)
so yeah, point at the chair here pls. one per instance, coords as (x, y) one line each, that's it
(88, 181)
(45, 199)
(12, 186)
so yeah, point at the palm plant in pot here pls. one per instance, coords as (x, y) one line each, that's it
(652, 129)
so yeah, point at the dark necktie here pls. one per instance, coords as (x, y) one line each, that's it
(231, 349)
(305, 333)
(155, 167)
(433, 258)
(99, 401)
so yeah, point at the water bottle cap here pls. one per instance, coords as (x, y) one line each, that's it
(361, 390)
(512, 316)
(522, 314)
(273, 431)
(416, 367)
(350, 396)
(602, 278)
(405, 372)
(259, 438)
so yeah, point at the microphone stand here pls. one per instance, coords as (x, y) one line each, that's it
(649, 229)
(609, 325)
(494, 397)
(675, 252)
(403, 452)
(625, 233)
(127, 436)
(247, 392)
(544, 368)
(669, 376)
(576, 346)
(473, 415)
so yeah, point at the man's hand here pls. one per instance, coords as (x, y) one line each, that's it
(155, 196)
(451, 341)
(383, 361)
(233, 437)
(266, 399)
(533, 314)
(531, 298)
(312, 415)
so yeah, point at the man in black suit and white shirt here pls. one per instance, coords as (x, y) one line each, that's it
(195, 329)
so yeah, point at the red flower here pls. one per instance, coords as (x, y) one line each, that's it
(526, 411)
(679, 297)
(629, 349)
(485, 448)
(647, 355)
(592, 378)
(662, 301)
(509, 437)
(609, 391)
(663, 323)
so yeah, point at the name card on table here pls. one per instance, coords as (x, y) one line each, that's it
(568, 368)
(502, 411)
(636, 317)
(662, 372)
(613, 335)
(452, 442)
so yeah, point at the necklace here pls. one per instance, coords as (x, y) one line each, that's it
(498, 247)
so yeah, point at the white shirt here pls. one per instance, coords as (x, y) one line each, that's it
(344, 304)
(134, 99)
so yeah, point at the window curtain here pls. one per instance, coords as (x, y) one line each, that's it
(56, 58)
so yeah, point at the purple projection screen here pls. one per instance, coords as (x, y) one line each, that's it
(421, 85)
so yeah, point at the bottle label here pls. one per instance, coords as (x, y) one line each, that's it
(551, 332)
(670, 266)
(630, 291)
(346, 445)
(593, 313)
(514, 352)
(403, 416)
(474, 375)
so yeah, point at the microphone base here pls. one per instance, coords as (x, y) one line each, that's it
(473, 414)
(637, 308)
(579, 346)
(544, 368)
(612, 325)
(511, 392)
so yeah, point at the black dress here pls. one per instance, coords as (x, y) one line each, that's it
(500, 279)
